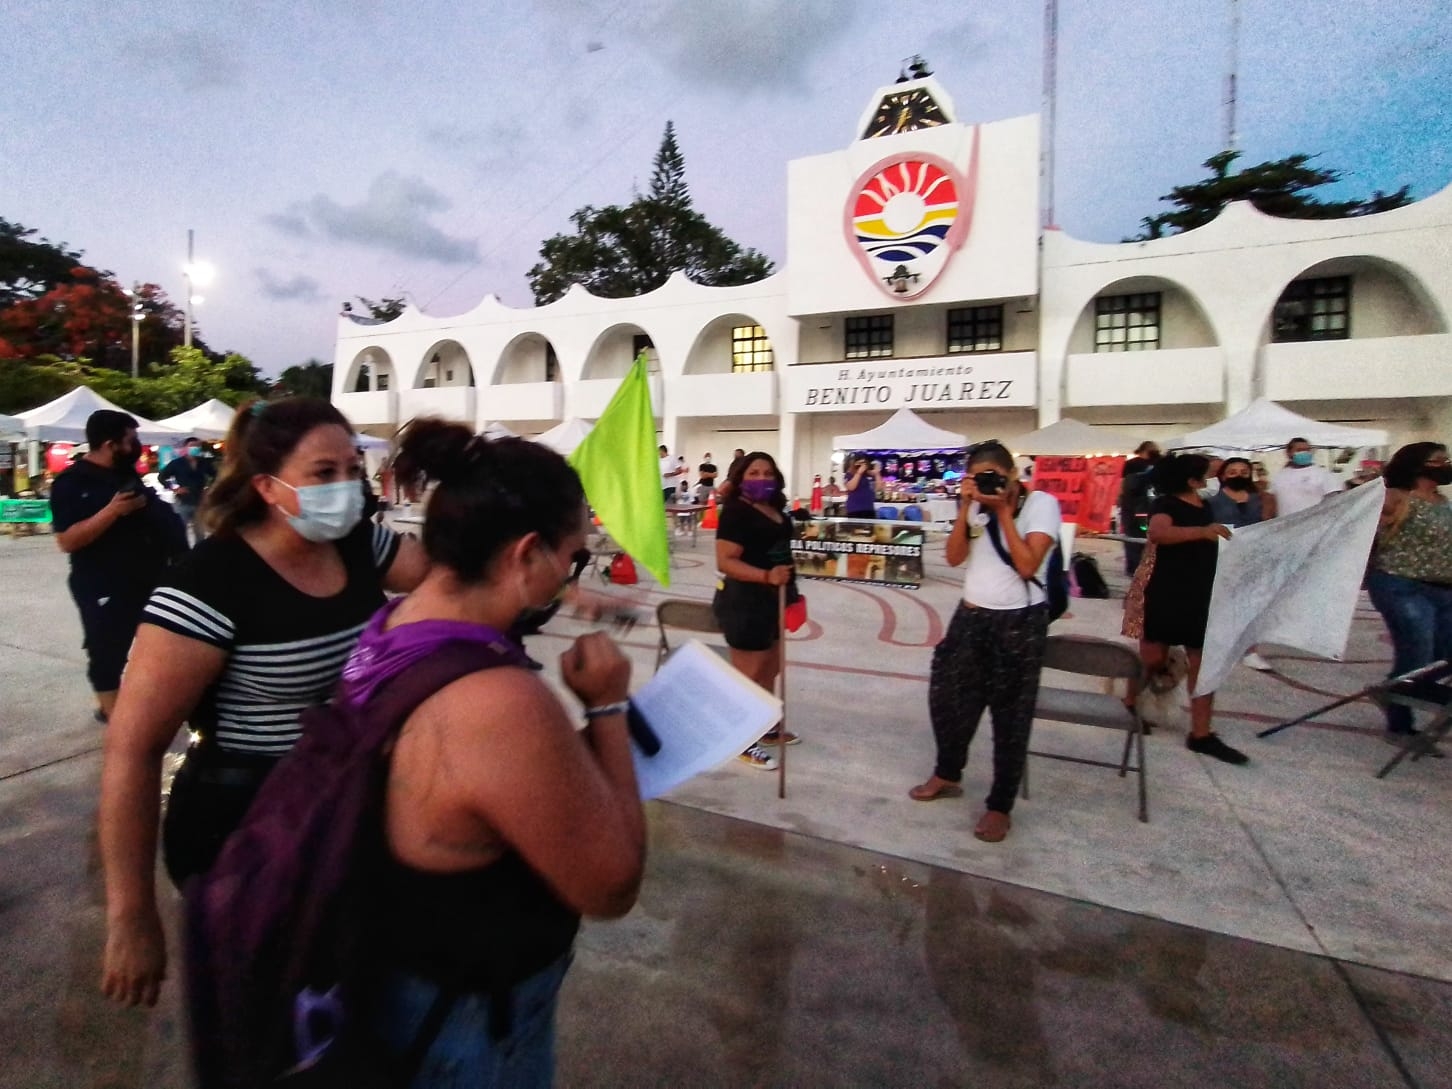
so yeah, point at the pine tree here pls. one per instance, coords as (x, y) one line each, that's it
(668, 176)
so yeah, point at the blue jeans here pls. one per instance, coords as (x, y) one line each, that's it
(464, 1053)
(1418, 616)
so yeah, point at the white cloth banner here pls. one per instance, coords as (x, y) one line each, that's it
(1291, 581)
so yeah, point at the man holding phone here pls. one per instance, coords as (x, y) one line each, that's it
(119, 535)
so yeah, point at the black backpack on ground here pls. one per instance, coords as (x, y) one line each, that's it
(1086, 574)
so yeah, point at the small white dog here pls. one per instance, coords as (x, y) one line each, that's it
(1162, 701)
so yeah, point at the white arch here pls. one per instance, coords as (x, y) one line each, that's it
(613, 351)
(371, 370)
(446, 365)
(711, 350)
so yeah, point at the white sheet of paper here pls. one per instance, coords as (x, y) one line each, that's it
(704, 712)
(1291, 582)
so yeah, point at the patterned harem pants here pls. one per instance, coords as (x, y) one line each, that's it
(989, 658)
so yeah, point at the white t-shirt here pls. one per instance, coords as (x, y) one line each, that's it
(988, 582)
(1301, 489)
(667, 472)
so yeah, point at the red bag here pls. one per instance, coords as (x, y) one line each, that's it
(796, 613)
(622, 570)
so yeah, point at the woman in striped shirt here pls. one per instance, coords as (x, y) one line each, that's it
(251, 630)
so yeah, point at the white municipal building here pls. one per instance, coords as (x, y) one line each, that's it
(917, 275)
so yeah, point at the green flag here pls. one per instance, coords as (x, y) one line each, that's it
(620, 469)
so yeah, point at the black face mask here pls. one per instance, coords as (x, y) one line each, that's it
(124, 458)
(1438, 474)
(1236, 483)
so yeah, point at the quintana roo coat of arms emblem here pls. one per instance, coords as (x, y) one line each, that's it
(906, 215)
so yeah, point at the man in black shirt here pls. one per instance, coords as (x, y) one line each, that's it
(119, 535)
(188, 477)
(705, 480)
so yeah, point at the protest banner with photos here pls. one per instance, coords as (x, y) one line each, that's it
(848, 550)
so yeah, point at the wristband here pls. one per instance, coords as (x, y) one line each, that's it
(592, 713)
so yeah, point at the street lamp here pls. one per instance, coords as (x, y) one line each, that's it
(197, 274)
(138, 311)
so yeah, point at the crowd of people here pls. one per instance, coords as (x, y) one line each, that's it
(494, 803)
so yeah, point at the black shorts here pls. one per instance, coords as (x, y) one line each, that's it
(109, 623)
(210, 794)
(747, 613)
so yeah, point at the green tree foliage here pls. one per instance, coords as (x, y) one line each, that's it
(189, 377)
(31, 265)
(620, 251)
(311, 379)
(1282, 187)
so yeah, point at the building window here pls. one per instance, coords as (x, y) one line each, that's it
(641, 342)
(975, 329)
(430, 382)
(448, 376)
(869, 337)
(552, 363)
(382, 381)
(361, 385)
(1313, 310)
(1127, 323)
(750, 350)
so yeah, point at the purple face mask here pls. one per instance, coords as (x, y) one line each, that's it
(759, 491)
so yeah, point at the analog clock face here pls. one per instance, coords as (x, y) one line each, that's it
(905, 111)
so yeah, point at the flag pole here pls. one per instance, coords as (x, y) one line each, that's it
(781, 690)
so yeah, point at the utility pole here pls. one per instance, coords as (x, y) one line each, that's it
(1051, 80)
(1232, 90)
(187, 328)
(137, 313)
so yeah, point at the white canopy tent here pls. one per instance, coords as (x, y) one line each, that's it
(565, 437)
(496, 430)
(11, 427)
(209, 420)
(906, 432)
(1070, 438)
(1266, 425)
(64, 420)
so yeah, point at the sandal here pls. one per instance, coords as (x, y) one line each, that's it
(935, 788)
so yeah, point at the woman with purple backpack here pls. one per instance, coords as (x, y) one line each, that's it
(503, 823)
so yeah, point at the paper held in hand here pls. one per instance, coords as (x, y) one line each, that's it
(704, 712)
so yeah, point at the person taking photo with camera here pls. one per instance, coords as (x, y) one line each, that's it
(994, 649)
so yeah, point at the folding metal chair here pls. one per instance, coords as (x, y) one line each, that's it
(1087, 656)
(686, 616)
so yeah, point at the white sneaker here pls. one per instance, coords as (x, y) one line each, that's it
(1255, 661)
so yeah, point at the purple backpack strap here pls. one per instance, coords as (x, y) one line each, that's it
(400, 696)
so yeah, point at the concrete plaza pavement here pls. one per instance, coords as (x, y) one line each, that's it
(1279, 924)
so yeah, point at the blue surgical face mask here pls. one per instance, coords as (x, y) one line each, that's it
(326, 512)
(1301, 458)
(194, 451)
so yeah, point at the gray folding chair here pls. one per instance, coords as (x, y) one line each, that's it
(1103, 658)
(685, 616)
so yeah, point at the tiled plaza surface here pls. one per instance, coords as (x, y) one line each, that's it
(1279, 924)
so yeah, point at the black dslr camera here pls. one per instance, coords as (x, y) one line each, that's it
(989, 482)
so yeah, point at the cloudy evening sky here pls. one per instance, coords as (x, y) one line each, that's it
(324, 149)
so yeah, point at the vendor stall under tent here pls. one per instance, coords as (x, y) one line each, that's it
(905, 438)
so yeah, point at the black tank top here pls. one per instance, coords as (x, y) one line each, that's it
(479, 930)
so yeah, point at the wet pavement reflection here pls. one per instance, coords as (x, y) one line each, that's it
(760, 957)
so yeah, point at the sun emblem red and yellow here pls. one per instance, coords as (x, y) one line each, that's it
(905, 217)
